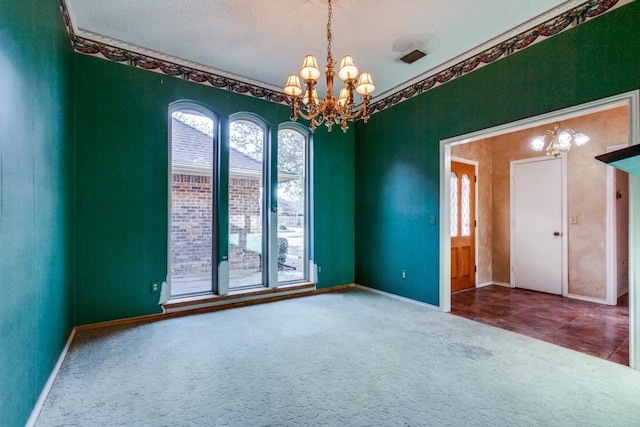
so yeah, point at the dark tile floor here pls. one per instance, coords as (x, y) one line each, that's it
(599, 330)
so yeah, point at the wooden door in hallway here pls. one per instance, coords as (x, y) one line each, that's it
(463, 226)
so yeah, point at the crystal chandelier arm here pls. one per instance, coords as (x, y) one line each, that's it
(312, 112)
(312, 116)
(362, 112)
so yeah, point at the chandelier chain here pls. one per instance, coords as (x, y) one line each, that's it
(329, 56)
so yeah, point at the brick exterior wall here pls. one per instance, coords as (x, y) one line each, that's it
(191, 225)
(191, 220)
(245, 221)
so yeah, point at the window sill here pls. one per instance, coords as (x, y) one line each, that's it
(238, 298)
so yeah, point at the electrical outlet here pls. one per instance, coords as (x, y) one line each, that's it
(432, 219)
(403, 274)
(319, 269)
(155, 287)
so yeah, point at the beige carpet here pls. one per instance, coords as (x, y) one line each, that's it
(351, 358)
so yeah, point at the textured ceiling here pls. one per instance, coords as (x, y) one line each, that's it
(262, 41)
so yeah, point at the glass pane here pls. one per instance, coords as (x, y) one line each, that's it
(292, 254)
(191, 203)
(454, 204)
(246, 146)
(466, 205)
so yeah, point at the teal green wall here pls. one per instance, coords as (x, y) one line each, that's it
(334, 207)
(36, 153)
(121, 190)
(397, 152)
(83, 199)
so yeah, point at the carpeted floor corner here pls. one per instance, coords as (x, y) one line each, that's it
(352, 358)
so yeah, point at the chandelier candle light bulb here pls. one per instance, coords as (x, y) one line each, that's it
(348, 70)
(330, 110)
(309, 70)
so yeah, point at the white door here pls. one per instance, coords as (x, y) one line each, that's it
(537, 225)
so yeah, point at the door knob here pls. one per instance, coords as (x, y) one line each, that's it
(557, 233)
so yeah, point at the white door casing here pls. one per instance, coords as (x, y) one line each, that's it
(617, 245)
(538, 240)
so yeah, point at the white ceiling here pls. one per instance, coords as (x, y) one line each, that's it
(262, 41)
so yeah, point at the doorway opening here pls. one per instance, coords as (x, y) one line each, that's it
(499, 272)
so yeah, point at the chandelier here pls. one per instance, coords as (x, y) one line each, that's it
(558, 141)
(330, 110)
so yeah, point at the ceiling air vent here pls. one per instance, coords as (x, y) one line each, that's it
(412, 56)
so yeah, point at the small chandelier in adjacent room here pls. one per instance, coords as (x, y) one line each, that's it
(330, 110)
(558, 141)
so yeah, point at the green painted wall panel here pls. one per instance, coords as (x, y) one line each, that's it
(334, 206)
(36, 199)
(397, 152)
(121, 189)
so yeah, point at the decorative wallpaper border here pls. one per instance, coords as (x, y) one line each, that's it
(134, 59)
(554, 26)
(550, 28)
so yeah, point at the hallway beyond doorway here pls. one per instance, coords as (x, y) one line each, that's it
(595, 329)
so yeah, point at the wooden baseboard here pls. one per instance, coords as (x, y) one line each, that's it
(227, 302)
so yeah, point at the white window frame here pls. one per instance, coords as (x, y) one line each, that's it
(216, 265)
(309, 267)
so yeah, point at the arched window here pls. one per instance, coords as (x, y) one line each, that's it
(293, 203)
(465, 201)
(460, 205)
(454, 205)
(255, 231)
(248, 240)
(192, 195)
